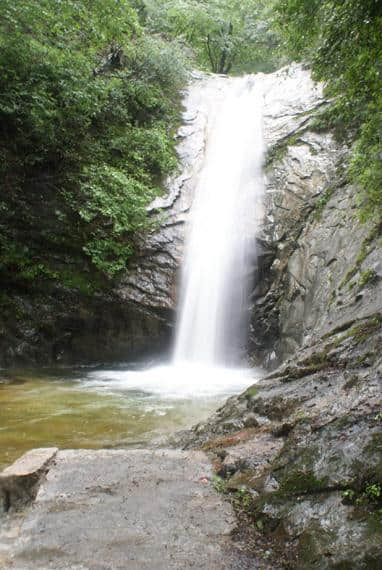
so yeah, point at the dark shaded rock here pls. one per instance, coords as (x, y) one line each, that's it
(19, 483)
(315, 459)
(65, 329)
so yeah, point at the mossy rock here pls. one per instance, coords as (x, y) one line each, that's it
(301, 482)
(251, 392)
(314, 548)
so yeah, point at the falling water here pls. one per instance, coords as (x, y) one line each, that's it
(220, 246)
(219, 259)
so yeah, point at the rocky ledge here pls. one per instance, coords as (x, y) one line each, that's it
(301, 452)
(109, 510)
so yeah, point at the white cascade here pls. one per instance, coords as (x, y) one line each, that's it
(219, 258)
(220, 246)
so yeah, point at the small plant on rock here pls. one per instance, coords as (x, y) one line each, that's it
(374, 492)
(378, 417)
(348, 495)
(219, 484)
(242, 499)
(367, 277)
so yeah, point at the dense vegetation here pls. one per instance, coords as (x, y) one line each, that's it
(342, 40)
(89, 98)
(87, 104)
(226, 36)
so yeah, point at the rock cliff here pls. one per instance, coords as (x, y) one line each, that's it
(301, 451)
(152, 280)
(134, 317)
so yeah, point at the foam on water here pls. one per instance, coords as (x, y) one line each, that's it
(173, 382)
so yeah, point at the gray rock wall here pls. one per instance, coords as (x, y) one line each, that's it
(153, 280)
(311, 239)
(302, 448)
(65, 328)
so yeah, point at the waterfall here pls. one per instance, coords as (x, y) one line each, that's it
(219, 253)
(220, 245)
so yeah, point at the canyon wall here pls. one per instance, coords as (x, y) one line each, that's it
(301, 450)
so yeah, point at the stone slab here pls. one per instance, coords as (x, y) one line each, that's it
(31, 462)
(127, 509)
(19, 482)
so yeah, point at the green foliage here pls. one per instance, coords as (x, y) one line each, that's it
(219, 484)
(366, 163)
(366, 277)
(365, 495)
(342, 40)
(225, 35)
(87, 103)
(348, 495)
(321, 203)
(242, 500)
(373, 491)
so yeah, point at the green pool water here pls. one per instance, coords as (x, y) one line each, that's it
(76, 409)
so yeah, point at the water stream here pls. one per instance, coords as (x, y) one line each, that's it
(124, 406)
(220, 249)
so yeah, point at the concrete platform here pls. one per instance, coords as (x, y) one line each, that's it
(122, 509)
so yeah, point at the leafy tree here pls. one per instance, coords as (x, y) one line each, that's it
(343, 41)
(87, 101)
(225, 35)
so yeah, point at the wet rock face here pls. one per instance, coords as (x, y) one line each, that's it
(318, 265)
(66, 329)
(311, 469)
(152, 281)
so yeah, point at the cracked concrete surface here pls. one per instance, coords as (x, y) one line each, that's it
(123, 509)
